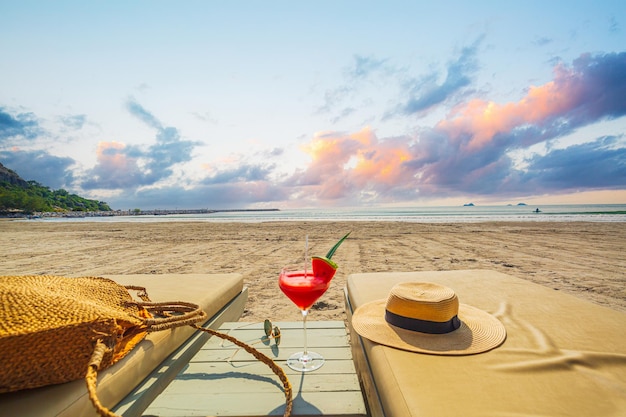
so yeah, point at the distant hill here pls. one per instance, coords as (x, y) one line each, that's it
(20, 196)
(11, 177)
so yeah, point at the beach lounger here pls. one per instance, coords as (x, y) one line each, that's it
(221, 296)
(562, 356)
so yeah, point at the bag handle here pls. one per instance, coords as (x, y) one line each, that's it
(263, 358)
(189, 313)
(91, 378)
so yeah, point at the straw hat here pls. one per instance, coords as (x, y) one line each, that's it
(427, 318)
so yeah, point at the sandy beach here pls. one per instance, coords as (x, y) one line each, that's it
(583, 259)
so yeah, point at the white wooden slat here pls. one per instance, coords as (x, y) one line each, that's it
(271, 404)
(277, 354)
(331, 366)
(311, 324)
(196, 380)
(289, 337)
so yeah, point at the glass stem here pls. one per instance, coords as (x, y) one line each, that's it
(304, 315)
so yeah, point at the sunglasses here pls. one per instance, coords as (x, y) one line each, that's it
(271, 332)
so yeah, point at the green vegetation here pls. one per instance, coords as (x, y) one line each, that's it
(34, 197)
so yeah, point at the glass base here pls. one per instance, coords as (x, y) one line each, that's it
(301, 363)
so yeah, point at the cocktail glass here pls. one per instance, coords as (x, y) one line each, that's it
(302, 287)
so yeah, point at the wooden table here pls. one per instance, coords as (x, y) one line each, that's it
(223, 380)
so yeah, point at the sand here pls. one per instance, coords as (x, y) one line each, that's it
(586, 260)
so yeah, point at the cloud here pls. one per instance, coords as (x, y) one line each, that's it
(74, 122)
(425, 92)
(343, 114)
(361, 72)
(120, 166)
(354, 166)
(614, 26)
(599, 164)
(49, 170)
(142, 114)
(236, 183)
(168, 151)
(335, 97)
(542, 41)
(24, 125)
(365, 65)
(418, 94)
(116, 168)
(473, 143)
(592, 89)
(205, 117)
(242, 173)
(211, 196)
(468, 151)
(274, 152)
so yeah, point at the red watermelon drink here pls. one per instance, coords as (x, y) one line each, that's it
(304, 286)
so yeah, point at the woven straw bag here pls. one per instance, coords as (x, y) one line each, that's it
(57, 329)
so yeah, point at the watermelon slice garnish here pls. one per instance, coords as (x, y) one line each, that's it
(323, 266)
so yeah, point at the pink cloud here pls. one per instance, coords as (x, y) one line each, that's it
(112, 156)
(467, 151)
(344, 163)
(577, 92)
(114, 168)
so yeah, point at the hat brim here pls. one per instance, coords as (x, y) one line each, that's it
(479, 332)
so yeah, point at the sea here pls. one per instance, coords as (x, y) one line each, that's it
(418, 214)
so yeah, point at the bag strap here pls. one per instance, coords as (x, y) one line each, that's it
(91, 378)
(141, 291)
(263, 358)
(189, 313)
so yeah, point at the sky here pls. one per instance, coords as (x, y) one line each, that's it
(283, 104)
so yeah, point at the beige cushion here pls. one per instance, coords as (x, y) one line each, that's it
(563, 356)
(210, 291)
